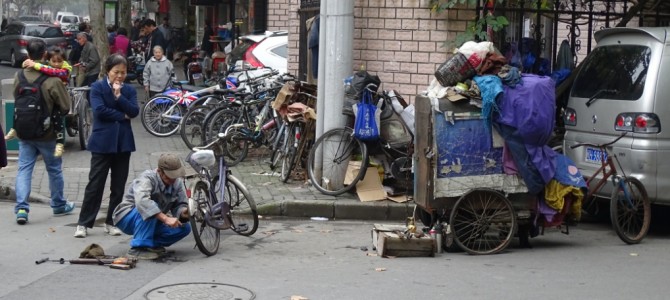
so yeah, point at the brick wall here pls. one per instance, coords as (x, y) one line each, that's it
(399, 40)
(278, 15)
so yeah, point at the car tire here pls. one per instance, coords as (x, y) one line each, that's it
(15, 63)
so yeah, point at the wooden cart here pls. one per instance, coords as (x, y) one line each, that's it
(459, 178)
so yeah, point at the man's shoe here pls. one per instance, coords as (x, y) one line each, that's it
(112, 230)
(22, 217)
(142, 253)
(80, 232)
(64, 210)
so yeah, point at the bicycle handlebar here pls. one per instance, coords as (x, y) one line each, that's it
(600, 146)
(218, 138)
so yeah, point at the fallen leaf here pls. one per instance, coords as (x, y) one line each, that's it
(269, 233)
(380, 269)
(52, 230)
(295, 297)
(633, 254)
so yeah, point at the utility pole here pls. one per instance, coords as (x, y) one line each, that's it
(336, 34)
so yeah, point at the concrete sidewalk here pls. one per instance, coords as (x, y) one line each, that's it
(293, 199)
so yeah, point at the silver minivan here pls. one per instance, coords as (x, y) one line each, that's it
(623, 85)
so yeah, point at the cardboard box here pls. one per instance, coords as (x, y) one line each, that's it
(389, 241)
(370, 188)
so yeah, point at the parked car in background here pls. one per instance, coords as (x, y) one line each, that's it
(65, 20)
(262, 50)
(622, 86)
(30, 18)
(14, 40)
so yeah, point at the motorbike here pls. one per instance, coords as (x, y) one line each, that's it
(135, 64)
(193, 66)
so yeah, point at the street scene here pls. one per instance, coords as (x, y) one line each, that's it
(306, 149)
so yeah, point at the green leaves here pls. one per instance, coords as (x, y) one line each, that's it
(475, 30)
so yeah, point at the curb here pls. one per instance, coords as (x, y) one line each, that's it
(8, 194)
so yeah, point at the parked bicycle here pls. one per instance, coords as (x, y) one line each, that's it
(218, 201)
(630, 208)
(80, 119)
(162, 114)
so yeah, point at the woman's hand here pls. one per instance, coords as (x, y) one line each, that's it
(146, 88)
(116, 89)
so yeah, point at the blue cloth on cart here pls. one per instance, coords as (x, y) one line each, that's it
(524, 162)
(567, 172)
(490, 87)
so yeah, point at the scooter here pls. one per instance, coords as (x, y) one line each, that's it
(193, 66)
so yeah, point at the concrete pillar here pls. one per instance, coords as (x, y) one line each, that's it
(336, 32)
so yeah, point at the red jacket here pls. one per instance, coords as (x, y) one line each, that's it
(120, 46)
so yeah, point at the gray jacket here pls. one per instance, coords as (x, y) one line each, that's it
(157, 74)
(91, 59)
(150, 196)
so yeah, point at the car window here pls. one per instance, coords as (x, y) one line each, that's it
(281, 51)
(69, 19)
(238, 52)
(618, 67)
(43, 31)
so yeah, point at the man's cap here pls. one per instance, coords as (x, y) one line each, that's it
(171, 166)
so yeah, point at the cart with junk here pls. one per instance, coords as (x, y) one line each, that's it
(483, 172)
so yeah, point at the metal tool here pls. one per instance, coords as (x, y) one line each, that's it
(46, 259)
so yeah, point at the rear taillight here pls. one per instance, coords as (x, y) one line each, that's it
(638, 122)
(188, 193)
(251, 59)
(570, 117)
(22, 43)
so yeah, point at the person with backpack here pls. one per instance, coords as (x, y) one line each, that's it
(36, 95)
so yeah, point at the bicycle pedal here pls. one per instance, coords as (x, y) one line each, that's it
(242, 227)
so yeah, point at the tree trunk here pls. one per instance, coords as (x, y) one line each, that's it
(99, 30)
(124, 15)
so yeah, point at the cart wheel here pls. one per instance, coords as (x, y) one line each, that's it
(483, 222)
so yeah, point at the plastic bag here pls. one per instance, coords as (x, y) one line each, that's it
(366, 126)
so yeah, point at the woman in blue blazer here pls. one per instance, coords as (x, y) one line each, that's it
(110, 143)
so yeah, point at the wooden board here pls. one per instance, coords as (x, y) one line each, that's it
(390, 243)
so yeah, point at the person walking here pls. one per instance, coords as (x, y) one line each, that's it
(121, 42)
(167, 34)
(153, 37)
(206, 45)
(155, 209)
(89, 62)
(53, 94)
(157, 73)
(113, 105)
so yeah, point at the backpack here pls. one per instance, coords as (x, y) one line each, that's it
(32, 119)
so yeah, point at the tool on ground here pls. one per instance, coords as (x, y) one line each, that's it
(46, 259)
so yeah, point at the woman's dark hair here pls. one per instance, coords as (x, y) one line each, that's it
(122, 31)
(114, 60)
(55, 52)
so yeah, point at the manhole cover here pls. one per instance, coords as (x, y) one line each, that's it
(205, 291)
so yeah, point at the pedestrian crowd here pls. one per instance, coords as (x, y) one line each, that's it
(154, 208)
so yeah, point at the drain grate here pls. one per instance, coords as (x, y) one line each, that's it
(201, 291)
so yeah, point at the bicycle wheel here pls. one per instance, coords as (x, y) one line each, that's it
(236, 146)
(190, 128)
(630, 210)
(337, 147)
(483, 222)
(288, 158)
(84, 122)
(243, 214)
(278, 147)
(217, 121)
(207, 238)
(154, 120)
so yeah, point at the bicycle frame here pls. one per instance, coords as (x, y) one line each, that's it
(169, 114)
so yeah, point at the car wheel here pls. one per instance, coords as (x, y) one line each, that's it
(15, 63)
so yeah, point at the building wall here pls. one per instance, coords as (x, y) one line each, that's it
(401, 41)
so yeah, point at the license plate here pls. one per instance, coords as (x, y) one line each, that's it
(197, 76)
(594, 155)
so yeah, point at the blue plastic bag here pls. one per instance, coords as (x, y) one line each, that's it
(366, 126)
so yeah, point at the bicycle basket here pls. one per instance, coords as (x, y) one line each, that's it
(454, 70)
